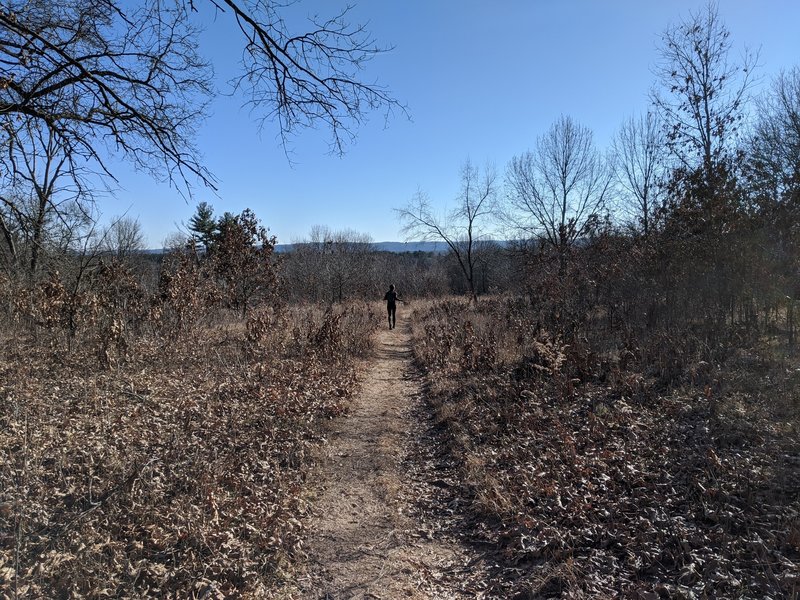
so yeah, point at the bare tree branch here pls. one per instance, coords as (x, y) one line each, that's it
(100, 79)
(307, 79)
(773, 166)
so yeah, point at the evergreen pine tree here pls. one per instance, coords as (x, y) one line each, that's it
(204, 225)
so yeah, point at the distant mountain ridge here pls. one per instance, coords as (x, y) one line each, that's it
(398, 247)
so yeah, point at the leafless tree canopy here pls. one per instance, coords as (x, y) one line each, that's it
(82, 80)
(310, 78)
(100, 77)
(104, 75)
(331, 266)
(122, 238)
(774, 145)
(701, 93)
(639, 153)
(557, 190)
(463, 228)
(41, 196)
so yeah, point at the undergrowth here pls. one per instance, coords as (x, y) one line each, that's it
(596, 471)
(165, 461)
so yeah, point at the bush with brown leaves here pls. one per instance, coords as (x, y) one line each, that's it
(178, 472)
(583, 476)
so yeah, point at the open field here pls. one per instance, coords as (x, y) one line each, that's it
(231, 459)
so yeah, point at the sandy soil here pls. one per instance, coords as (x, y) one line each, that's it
(370, 536)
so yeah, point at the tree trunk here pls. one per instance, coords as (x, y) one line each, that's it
(12, 248)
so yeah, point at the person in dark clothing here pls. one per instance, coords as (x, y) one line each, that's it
(391, 298)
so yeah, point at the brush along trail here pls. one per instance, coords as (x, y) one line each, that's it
(371, 535)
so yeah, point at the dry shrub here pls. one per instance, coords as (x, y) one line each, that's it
(268, 331)
(588, 477)
(155, 444)
(50, 311)
(542, 357)
(186, 293)
(178, 473)
(121, 311)
(359, 320)
(331, 333)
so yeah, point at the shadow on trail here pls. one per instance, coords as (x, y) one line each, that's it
(393, 353)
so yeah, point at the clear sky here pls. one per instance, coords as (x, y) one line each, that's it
(481, 79)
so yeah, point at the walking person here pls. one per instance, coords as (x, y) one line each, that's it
(392, 298)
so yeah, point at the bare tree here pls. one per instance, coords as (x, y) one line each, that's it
(701, 94)
(773, 165)
(45, 191)
(123, 238)
(558, 191)
(639, 153)
(462, 229)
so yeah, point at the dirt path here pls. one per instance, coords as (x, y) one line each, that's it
(369, 538)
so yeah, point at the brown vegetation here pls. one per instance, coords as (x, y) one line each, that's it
(619, 410)
(163, 451)
(587, 476)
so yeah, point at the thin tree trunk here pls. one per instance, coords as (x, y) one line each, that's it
(12, 248)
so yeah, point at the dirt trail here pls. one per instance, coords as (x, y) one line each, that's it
(368, 537)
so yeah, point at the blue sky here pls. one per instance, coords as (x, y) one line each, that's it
(481, 81)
